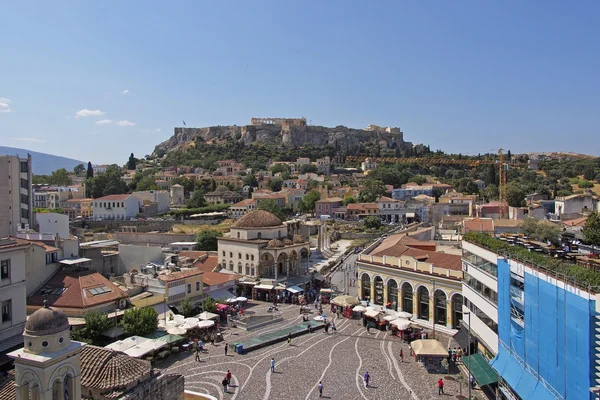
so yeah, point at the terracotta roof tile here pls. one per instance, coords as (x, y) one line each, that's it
(7, 387)
(48, 248)
(173, 276)
(10, 242)
(115, 197)
(77, 294)
(207, 264)
(217, 278)
(105, 369)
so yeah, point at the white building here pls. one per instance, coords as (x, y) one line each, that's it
(12, 292)
(16, 195)
(177, 194)
(53, 223)
(368, 165)
(160, 197)
(575, 204)
(117, 207)
(480, 291)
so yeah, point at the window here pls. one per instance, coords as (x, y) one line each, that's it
(480, 288)
(223, 253)
(240, 256)
(24, 167)
(25, 184)
(197, 286)
(97, 291)
(24, 199)
(252, 257)
(230, 254)
(247, 257)
(24, 213)
(189, 288)
(5, 269)
(6, 310)
(238, 235)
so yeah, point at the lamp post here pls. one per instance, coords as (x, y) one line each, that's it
(469, 355)
(434, 307)
(116, 315)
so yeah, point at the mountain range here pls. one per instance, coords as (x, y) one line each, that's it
(43, 163)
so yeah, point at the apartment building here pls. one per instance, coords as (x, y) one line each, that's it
(117, 207)
(16, 195)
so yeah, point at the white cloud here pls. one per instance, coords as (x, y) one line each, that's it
(5, 105)
(125, 123)
(126, 91)
(29, 139)
(104, 122)
(88, 113)
(157, 130)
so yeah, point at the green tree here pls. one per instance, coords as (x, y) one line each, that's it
(107, 183)
(529, 225)
(187, 308)
(490, 176)
(491, 192)
(146, 183)
(591, 229)
(515, 195)
(250, 180)
(283, 168)
(197, 200)
(275, 184)
(589, 173)
(307, 204)
(209, 305)
(272, 207)
(207, 240)
(188, 184)
(140, 321)
(583, 184)
(213, 185)
(548, 232)
(89, 172)
(306, 168)
(372, 222)
(372, 190)
(419, 179)
(60, 177)
(348, 200)
(96, 323)
(131, 162)
(79, 168)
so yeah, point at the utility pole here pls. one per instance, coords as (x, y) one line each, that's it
(469, 354)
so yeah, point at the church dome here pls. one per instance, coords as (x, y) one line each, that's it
(258, 219)
(298, 239)
(275, 243)
(46, 321)
(287, 242)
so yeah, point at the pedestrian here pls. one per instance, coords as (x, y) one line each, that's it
(224, 383)
(198, 353)
(333, 328)
(410, 350)
(228, 377)
(366, 377)
(309, 328)
(289, 339)
(368, 327)
(272, 365)
(459, 354)
(212, 339)
(440, 386)
(401, 356)
(320, 388)
(449, 355)
(454, 355)
(472, 381)
(226, 348)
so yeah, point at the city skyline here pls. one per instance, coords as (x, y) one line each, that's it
(99, 81)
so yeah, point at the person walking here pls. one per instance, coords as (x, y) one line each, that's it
(366, 377)
(224, 383)
(228, 377)
(320, 388)
(272, 365)
(333, 328)
(198, 353)
(368, 327)
(440, 386)
(226, 348)
(401, 356)
(289, 339)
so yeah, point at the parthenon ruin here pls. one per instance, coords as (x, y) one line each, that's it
(284, 122)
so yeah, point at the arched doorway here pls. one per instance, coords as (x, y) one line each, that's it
(293, 260)
(423, 300)
(378, 298)
(267, 264)
(282, 264)
(407, 297)
(439, 311)
(366, 287)
(457, 315)
(392, 301)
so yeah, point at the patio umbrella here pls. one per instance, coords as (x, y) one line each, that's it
(319, 318)
(359, 309)
(404, 314)
(192, 320)
(176, 331)
(401, 323)
(390, 317)
(189, 325)
(231, 300)
(206, 316)
(205, 324)
(242, 299)
(345, 301)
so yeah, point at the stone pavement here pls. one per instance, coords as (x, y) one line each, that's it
(338, 360)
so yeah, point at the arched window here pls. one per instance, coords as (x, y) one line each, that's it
(440, 312)
(392, 301)
(378, 284)
(423, 299)
(259, 235)
(238, 235)
(366, 286)
(407, 297)
(239, 256)
(223, 253)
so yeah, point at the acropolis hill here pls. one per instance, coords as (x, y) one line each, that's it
(289, 132)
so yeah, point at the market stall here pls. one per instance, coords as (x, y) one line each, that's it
(430, 353)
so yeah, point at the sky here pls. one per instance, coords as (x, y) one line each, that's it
(97, 80)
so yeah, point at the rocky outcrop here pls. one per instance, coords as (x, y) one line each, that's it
(340, 136)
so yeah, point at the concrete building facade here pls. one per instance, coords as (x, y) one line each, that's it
(16, 194)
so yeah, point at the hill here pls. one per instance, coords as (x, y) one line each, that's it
(43, 163)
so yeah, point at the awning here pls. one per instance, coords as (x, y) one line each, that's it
(371, 313)
(10, 342)
(294, 289)
(429, 347)
(171, 338)
(319, 277)
(220, 294)
(264, 287)
(481, 370)
(462, 338)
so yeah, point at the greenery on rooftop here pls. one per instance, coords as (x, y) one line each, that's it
(577, 275)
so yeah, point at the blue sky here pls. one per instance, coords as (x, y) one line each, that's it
(466, 77)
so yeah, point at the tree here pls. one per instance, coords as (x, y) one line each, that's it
(187, 308)
(281, 168)
(372, 222)
(96, 323)
(419, 179)
(490, 176)
(307, 204)
(548, 232)
(306, 168)
(515, 195)
(250, 180)
(197, 200)
(591, 229)
(131, 162)
(79, 168)
(140, 321)
(589, 173)
(529, 225)
(275, 184)
(272, 207)
(60, 177)
(89, 172)
(207, 240)
(372, 190)
(209, 305)
(146, 183)
(491, 192)
(348, 200)
(188, 184)
(213, 185)
(107, 183)
(583, 184)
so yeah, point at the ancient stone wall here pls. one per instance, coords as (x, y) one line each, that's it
(163, 387)
(115, 226)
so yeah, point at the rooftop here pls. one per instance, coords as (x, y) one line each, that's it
(115, 197)
(258, 219)
(187, 273)
(217, 278)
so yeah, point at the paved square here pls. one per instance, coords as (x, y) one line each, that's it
(338, 360)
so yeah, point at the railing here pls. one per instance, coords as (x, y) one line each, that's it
(410, 264)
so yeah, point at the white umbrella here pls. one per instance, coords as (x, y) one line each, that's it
(242, 299)
(205, 324)
(359, 309)
(231, 300)
(192, 320)
(401, 323)
(390, 317)
(319, 318)
(189, 325)
(176, 330)
(404, 314)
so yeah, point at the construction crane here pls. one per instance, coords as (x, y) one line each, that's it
(501, 163)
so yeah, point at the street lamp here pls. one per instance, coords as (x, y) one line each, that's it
(469, 355)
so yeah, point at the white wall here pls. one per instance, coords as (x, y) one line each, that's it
(481, 330)
(14, 289)
(53, 223)
(116, 212)
(134, 257)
